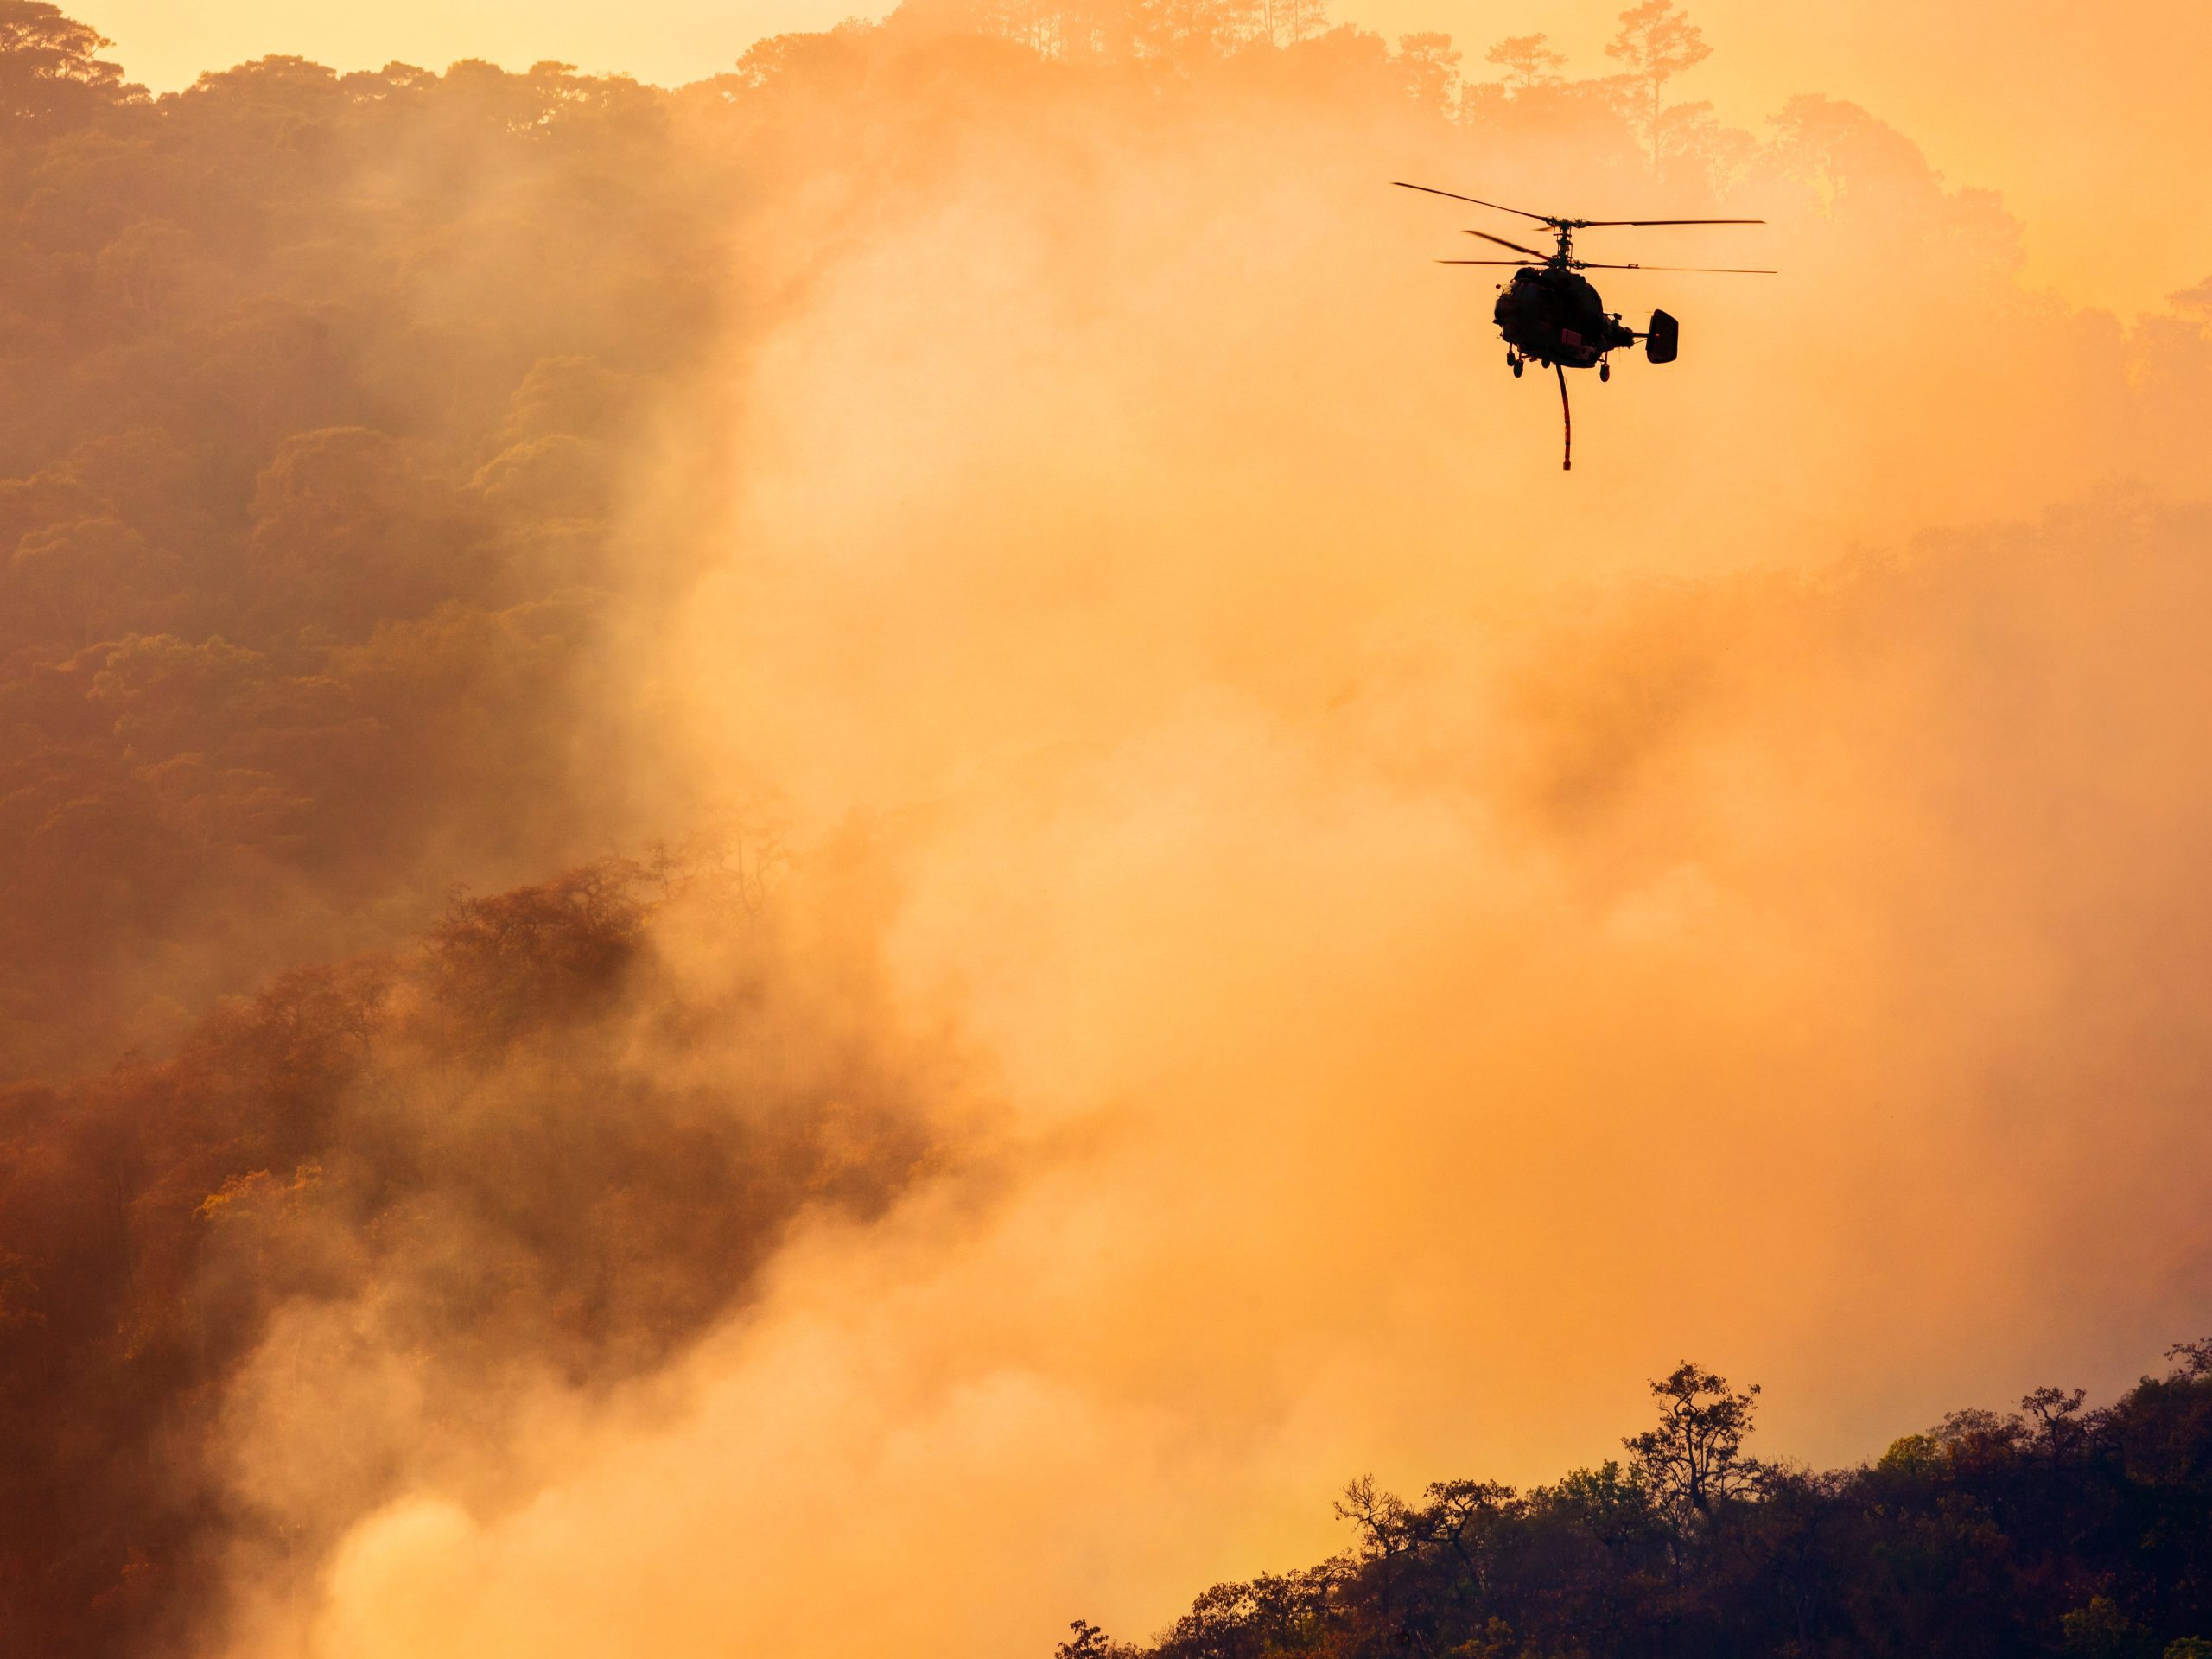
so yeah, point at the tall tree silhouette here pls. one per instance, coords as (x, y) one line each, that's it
(1527, 61)
(1694, 1456)
(1655, 42)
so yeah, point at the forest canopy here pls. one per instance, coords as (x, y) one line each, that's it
(2049, 1530)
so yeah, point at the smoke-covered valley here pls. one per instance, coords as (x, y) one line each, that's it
(860, 855)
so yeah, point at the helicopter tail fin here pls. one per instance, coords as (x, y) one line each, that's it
(1662, 344)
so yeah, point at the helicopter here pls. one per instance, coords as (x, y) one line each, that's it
(1550, 312)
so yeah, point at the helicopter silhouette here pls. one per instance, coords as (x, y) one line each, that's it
(1552, 314)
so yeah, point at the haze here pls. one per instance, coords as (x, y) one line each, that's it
(859, 858)
(2080, 127)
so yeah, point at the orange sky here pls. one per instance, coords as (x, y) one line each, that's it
(2100, 139)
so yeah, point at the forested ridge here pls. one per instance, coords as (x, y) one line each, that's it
(315, 392)
(352, 1018)
(2054, 1528)
(314, 389)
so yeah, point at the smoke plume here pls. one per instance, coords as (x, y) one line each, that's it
(1219, 922)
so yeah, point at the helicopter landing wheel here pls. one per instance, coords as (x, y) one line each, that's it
(1518, 366)
(1604, 371)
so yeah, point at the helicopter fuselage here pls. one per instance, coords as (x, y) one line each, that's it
(1550, 311)
(1555, 316)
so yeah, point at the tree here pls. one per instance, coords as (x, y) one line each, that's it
(1694, 1458)
(87, 580)
(1655, 42)
(2101, 1630)
(1286, 22)
(1431, 66)
(1181, 30)
(1527, 61)
(1086, 1641)
(2193, 1359)
(1384, 1523)
(350, 522)
(1837, 149)
(1942, 1547)
(1690, 135)
(1607, 1502)
(2056, 1413)
(49, 70)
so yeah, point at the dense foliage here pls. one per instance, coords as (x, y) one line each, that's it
(2053, 1530)
(479, 1139)
(313, 393)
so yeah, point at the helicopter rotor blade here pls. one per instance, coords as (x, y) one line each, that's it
(1534, 253)
(1600, 224)
(1704, 270)
(1519, 264)
(1541, 218)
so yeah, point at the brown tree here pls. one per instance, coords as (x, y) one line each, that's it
(1694, 1456)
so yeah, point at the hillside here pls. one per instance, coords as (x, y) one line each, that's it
(2052, 1529)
